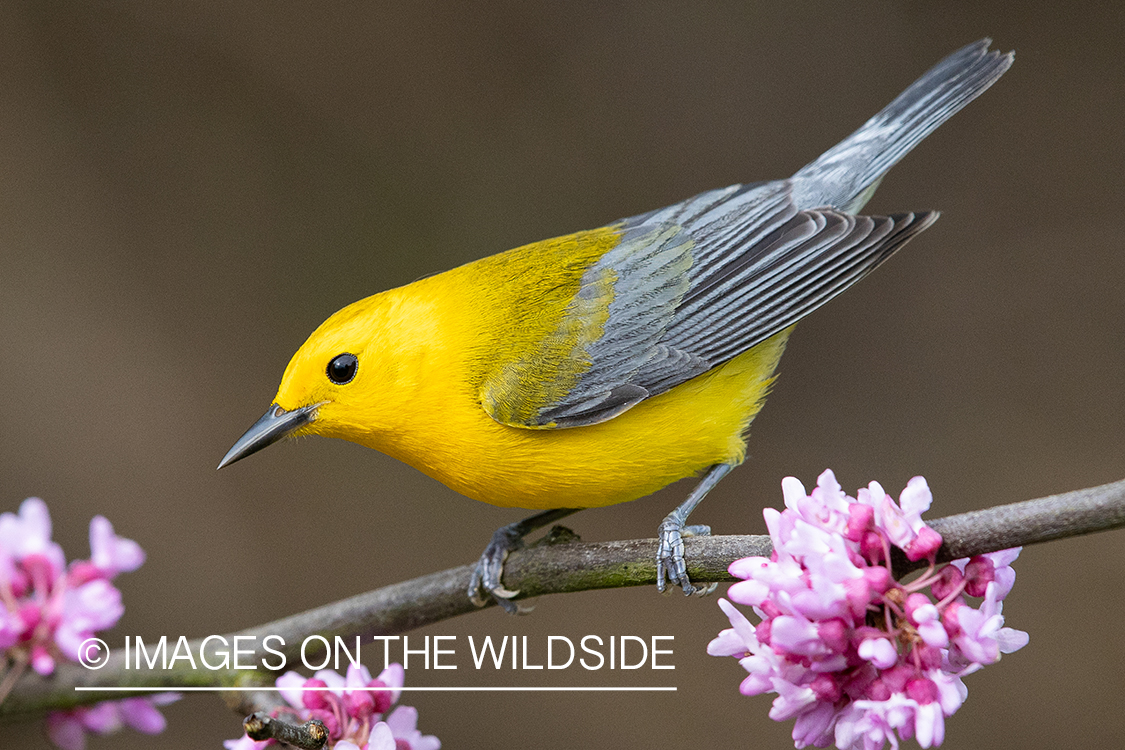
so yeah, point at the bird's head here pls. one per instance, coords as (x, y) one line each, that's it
(333, 385)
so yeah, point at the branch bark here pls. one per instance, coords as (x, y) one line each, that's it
(544, 569)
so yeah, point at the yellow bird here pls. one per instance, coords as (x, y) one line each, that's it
(598, 367)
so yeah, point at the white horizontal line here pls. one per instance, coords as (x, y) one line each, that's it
(458, 688)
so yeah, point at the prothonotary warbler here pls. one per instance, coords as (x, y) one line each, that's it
(598, 367)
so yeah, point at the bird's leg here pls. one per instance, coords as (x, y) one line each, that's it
(670, 564)
(485, 580)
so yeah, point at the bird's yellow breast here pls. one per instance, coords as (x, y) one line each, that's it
(426, 349)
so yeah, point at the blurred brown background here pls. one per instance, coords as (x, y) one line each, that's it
(187, 191)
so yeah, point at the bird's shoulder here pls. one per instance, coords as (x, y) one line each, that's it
(579, 316)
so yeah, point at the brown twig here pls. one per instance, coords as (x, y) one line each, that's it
(312, 735)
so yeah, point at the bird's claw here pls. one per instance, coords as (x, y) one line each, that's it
(671, 567)
(485, 583)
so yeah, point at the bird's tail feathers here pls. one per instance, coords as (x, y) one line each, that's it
(845, 175)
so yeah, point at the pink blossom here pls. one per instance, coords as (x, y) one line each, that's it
(28, 535)
(48, 610)
(981, 637)
(382, 738)
(403, 723)
(67, 729)
(11, 627)
(112, 554)
(879, 651)
(95, 605)
(245, 743)
(852, 655)
(289, 685)
(393, 677)
(355, 709)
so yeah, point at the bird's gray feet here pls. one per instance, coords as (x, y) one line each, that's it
(670, 564)
(671, 567)
(485, 580)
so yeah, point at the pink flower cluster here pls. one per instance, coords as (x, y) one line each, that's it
(67, 729)
(854, 656)
(355, 709)
(47, 610)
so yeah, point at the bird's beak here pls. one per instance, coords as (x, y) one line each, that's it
(275, 424)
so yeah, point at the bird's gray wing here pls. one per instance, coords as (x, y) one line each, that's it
(695, 284)
(692, 286)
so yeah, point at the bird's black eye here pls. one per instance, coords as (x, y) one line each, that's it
(342, 368)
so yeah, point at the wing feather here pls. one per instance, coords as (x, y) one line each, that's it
(698, 283)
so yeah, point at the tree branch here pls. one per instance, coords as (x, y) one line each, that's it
(543, 569)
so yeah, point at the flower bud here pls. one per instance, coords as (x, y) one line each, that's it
(316, 699)
(978, 574)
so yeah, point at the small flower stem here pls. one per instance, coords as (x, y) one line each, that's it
(956, 592)
(923, 580)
